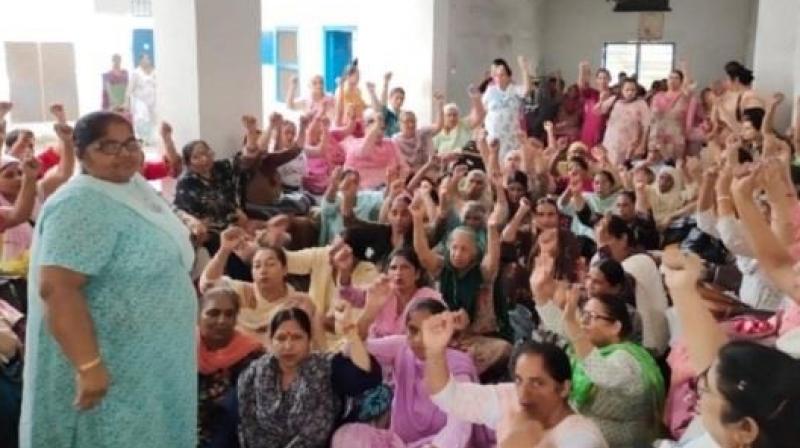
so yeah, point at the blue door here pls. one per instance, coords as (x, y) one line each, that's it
(143, 44)
(338, 53)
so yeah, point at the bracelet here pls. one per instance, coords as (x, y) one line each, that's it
(724, 198)
(85, 367)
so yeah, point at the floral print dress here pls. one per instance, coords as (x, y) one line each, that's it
(503, 115)
(213, 199)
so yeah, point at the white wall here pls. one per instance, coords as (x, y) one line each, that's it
(775, 45)
(482, 30)
(706, 32)
(390, 35)
(95, 38)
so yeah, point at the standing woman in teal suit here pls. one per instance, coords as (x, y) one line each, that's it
(110, 349)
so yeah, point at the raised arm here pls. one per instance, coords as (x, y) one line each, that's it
(432, 261)
(275, 120)
(572, 327)
(66, 163)
(605, 103)
(491, 259)
(642, 204)
(5, 108)
(302, 130)
(768, 124)
(437, 331)
(772, 256)
(781, 193)
(376, 297)
(511, 229)
(796, 129)
(230, 239)
(474, 403)
(525, 69)
(169, 149)
(584, 74)
(550, 133)
(319, 150)
(688, 83)
(272, 160)
(291, 93)
(438, 104)
(707, 192)
(250, 124)
(333, 185)
(387, 79)
(340, 106)
(433, 163)
(702, 334)
(375, 103)
(477, 111)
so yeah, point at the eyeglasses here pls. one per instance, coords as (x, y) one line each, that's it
(590, 316)
(113, 147)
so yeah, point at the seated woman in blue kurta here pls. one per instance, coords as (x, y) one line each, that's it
(110, 345)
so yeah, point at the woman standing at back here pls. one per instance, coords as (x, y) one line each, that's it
(110, 347)
(628, 120)
(669, 109)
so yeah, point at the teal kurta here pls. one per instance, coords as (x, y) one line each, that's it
(143, 307)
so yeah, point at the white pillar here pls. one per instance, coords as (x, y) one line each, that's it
(208, 68)
(774, 50)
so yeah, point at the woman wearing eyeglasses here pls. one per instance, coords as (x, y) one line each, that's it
(207, 201)
(615, 382)
(749, 393)
(110, 347)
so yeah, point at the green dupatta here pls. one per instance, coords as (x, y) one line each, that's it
(583, 389)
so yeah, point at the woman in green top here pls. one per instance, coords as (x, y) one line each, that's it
(466, 273)
(615, 382)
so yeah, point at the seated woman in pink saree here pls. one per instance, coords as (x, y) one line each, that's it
(385, 303)
(415, 421)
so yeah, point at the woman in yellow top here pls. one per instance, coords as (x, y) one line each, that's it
(269, 290)
(349, 94)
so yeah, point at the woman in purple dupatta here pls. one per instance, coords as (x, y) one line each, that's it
(384, 303)
(415, 421)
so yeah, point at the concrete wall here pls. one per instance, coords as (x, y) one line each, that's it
(707, 32)
(390, 35)
(776, 44)
(481, 30)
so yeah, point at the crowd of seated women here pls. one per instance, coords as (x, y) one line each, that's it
(584, 265)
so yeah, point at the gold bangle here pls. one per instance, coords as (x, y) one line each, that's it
(85, 367)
